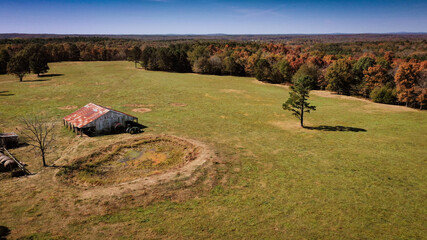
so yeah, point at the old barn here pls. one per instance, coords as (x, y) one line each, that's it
(96, 119)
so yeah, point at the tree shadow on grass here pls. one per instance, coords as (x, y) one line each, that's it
(336, 129)
(52, 75)
(5, 93)
(4, 232)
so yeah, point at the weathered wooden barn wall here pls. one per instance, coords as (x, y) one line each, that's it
(108, 120)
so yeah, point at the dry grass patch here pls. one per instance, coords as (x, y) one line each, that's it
(138, 105)
(233, 91)
(178, 104)
(141, 110)
(68, 107)
(383, 108)
(288, 125)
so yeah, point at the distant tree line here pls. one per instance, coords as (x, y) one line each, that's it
(33, 56)
(31, 59)
(392, 72)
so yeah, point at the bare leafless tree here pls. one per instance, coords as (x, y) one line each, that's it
(39, 133)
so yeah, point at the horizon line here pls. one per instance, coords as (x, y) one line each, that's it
(210, 34)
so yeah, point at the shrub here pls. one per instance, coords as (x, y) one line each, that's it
(384, 94)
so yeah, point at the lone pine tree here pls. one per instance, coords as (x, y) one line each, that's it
(297, 102)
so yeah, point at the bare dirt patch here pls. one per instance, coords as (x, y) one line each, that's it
(138, 105)
(178, 104)
(141, 110)
(68, 107)
(233, 91)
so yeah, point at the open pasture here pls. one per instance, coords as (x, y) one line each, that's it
(357, 172)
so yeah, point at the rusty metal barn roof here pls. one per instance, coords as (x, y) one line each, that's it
(88, 114)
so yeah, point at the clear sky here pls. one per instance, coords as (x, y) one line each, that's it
(207, 17)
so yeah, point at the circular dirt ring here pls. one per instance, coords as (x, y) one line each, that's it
(149, 160)
(141, 110)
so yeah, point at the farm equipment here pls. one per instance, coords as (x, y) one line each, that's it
(118, 128)
(9, 163)
(133, 127)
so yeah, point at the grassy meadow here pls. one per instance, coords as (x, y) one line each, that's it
(273, 180)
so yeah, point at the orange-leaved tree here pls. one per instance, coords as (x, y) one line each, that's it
(422, 97)
(375, 77)
(406, 79)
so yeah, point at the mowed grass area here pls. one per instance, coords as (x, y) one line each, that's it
(282, 182)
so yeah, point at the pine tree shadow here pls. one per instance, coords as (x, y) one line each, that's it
(4, 232)
(52, 75)
(336, 129)
(5, 93)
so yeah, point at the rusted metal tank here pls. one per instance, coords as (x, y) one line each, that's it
(9, 140)
(6, 163)
(3, 158)
(9, 165)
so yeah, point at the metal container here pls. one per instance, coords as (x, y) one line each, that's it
(9, 140)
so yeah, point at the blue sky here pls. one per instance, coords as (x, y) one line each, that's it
(205, 17)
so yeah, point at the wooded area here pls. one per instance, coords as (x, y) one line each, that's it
(392, 71)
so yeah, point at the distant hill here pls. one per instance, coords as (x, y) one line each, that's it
(335, 37)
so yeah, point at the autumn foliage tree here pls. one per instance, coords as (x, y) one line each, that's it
(339, 76)
(375, 77)
(422, 97)
(406, 79)
(360, 66)
(422, 85)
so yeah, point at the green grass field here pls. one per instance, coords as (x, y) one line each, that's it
(275, 180)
